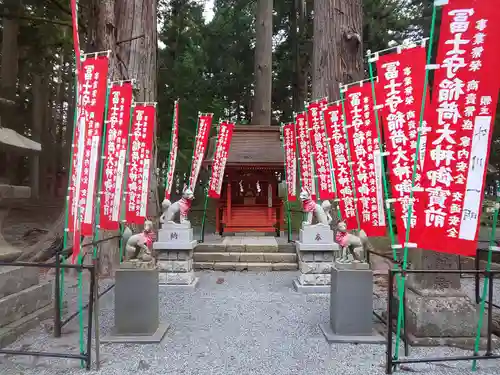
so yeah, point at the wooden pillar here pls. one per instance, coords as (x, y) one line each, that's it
(282, 216)
(217, 217)
(269, 200)
(228, 203)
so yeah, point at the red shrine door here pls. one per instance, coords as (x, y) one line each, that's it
(249, 204)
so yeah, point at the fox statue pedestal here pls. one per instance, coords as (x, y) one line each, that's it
(174, 250)
(315, 249)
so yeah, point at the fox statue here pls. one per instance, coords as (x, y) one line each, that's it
(182, 206)
(353, 246)
(310, 207)
(138, 246)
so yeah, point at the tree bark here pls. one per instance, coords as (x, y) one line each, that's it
(36, 131)
(338, 52)
(263, 63)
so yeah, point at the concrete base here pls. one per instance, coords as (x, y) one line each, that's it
(465, 343)
(316, 247)
(310, 289)
(175, 245)
(191, 286)
(332, 337)
(155, 338)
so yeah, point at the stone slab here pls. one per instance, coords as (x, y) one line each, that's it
(174, 254)
(316, 234)
(310, 289)
(154, 338)
(314, 279)
(260, 244)
(234, 244)
(175, 265)
(332, 337)
(315, 267)
(191, 286)
(136, 302)
(174, 245)
(352, 266)
(15, 279)
(181, 235)
(351, 302)
(176, 278)
(316, 247)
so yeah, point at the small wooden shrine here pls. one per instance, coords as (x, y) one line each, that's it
(249, 198)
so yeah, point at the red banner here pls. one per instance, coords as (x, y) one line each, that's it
(319, 147)
(305, 157)
(204, 126)
(139, 163)
(334, 123)
(401, 84)
(290, 149)
(115, 154)
(464, 99)
(91, 102)
(174, 146)
(77, 243)
(365, 157)
(220, 158)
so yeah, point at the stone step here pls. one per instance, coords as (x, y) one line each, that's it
(243, 266)
(242, 248)
(16, 279)
(10, 332)
(20, 304)
(245, 257)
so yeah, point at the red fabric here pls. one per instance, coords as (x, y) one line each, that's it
(319, 146)
(464, 105)
(220, 158)
(305, 161)
(308, 205)
(200, 147)
(115, 153)
(341, 238)
(87, 139)
(290, 149)
(337, 136)
(139, 163)
(185, 206)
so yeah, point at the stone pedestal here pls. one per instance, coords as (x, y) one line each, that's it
(315, 249)
(438, 312)
(137, 307)
(174, 251)
(351, 307)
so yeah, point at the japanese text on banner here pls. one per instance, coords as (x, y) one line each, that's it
(204, 126)
(366, 158)
(305, 159)
(220, 159)
(139, 162)
(464, 100)
(319, 147)
(91, 102)
(334, 123)
(174, 145)
(115, 154)
(290, 149)
(400, 88)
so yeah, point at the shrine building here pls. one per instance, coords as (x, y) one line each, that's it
(249, 198)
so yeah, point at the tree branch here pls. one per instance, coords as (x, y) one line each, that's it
(60, 7)
(130, 39)
(36, 19)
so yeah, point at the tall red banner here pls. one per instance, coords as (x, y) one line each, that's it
(174, 146)
(204, 126)
(366, 158)
(319, 147)
(290, 149)
(88, 132)
(401, 84)
(464, 99)
(305, 157)
(115, 154)
(139, 163)
(334, 124)
(220, 158)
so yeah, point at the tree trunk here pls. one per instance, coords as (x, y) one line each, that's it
(263, 63)
(36, 131)
(338, 53)
(301, 62)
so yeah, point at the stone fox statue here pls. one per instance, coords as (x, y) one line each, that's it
(322, 212)
(182, 206)
(138, 246)
(354, 246)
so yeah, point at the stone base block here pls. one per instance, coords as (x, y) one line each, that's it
(332, 337)
(155, 338)
(174, 255)
(327, 247)
(175, 265)
(310, 289)
(315, 267)
(175, 245)
(320, 256)
(351, 302)
(179, 278)
(172, 234)
(318, 233)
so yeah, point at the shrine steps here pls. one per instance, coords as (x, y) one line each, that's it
(24, 302)
(245, 254)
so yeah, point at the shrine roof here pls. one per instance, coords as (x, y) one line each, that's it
(252, 145)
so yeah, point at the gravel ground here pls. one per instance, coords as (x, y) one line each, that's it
(251, 323)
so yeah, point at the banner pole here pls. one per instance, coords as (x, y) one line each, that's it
(487, 275)
(287, 203)
(349, 155)
(174, 117)
(97, 208)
